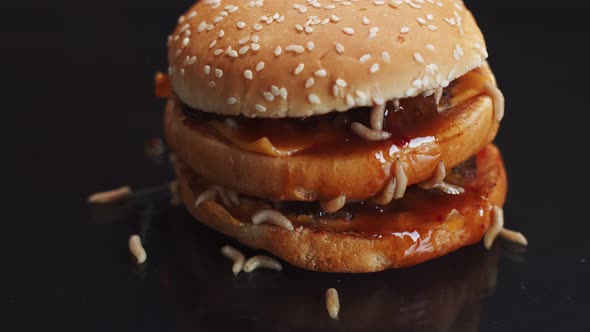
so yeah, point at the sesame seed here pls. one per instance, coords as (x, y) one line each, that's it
(221, 33)
(341, 83)
(321, 73)
(243, 40)
(365, 20)
(257, 27)
(334, 18)
(404, 30)
(255, 38)
(429, 17)
(430, 47)
(364, 58)
(335, 90)
(374, 68)
(255, 47)
(218, 73)
(339, 48)
(192, 60)
(231, 100)
(411, 92)
(373, 32)
(450, 21)
(232, 53)
(268, 96)
(308, 29)
(314, 99)
(298, 27)
(241, 25)
(191, 15)
(184, 28)
(432, 27)
(274, 90)
(185, 42)
(248, 74)
(421, 20)
(310, 46)
(418, 57)
(201, 27)
(260, 108)
(431, 69)
(218, 51)
(283, 93)
(417, 83)
(386, 57)
(295, 48)
(278, 51)
(309, 83)
(299, 69)
(348, 31)
(207, 69)
(349, 100)
(212, 44)
(260, 66)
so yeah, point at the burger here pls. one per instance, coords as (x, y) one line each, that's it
(340, 136)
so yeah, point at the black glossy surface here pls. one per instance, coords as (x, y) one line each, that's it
(77, 105)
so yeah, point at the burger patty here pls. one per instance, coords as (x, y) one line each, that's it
(423, 225)
(320, 158)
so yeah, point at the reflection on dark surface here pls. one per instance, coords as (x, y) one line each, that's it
(196, 280)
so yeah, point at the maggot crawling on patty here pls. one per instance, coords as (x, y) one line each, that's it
(449, 189)
(497, 228)
(396, 105)
(236, 256)
(437, 182)
(439, 175)
(205, 196)
(396, 187)
(274, 217)
(386, 195)
(369, 134)
(262, 261)
(333, 205)
(498, 99)
(401, 179)
(228, 197)
(377, 116)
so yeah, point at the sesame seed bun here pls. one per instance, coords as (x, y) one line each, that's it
(287, 59)
(332, 251)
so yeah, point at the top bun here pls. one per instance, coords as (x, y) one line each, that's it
(284, 58)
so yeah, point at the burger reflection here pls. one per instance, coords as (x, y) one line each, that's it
(441, 295)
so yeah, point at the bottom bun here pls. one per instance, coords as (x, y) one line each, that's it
(451, 222)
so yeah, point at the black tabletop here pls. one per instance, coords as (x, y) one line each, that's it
(78, 107)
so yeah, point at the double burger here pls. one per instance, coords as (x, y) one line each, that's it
(340, 136)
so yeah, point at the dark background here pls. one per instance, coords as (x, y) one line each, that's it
(77, 105)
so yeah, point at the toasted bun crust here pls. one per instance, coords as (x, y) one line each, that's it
(466, 130)
(226, 59)
(330, 251)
